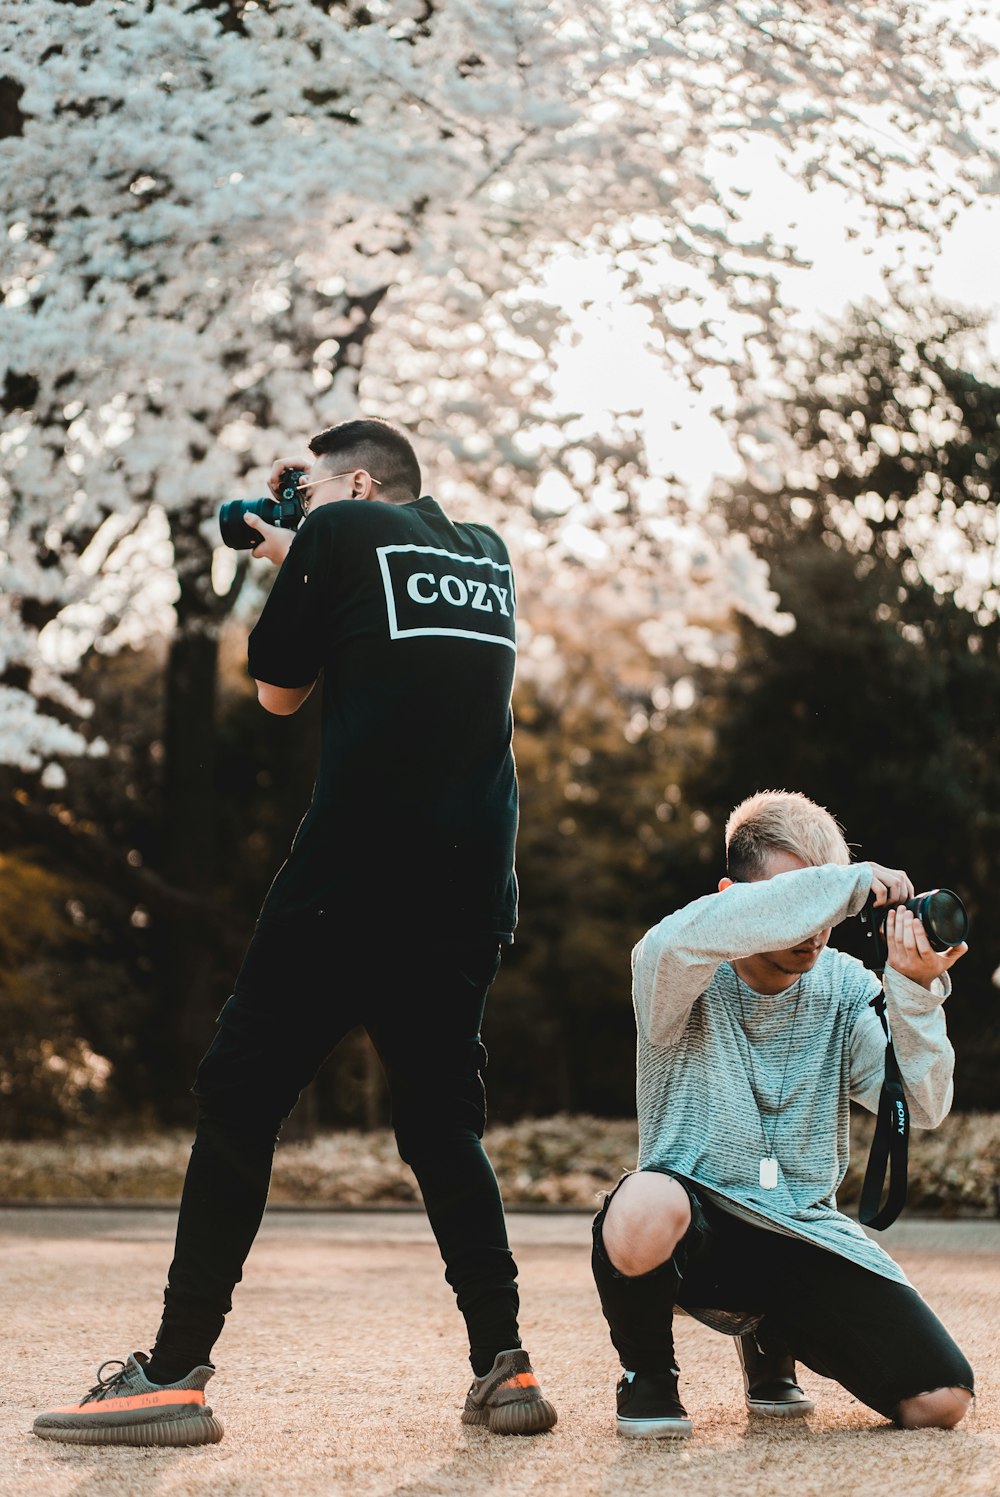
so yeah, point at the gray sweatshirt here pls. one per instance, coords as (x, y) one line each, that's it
(698, 1049)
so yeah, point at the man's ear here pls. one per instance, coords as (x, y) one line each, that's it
(725, 883)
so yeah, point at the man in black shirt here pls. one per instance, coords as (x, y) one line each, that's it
(390, 912)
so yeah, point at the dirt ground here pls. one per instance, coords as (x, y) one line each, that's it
(342, 1371)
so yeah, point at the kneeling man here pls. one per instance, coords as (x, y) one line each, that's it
(753, 1036)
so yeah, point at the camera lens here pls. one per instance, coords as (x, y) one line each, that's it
(943, 917)
(287, 512)
(235, 533)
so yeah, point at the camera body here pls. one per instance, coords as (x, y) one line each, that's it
(286, 512)
(940, 911)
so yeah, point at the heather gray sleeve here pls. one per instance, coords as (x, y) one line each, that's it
(920, 1040)
(675, 961)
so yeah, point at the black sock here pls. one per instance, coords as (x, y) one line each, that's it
(639, 1310)
(159, 1371)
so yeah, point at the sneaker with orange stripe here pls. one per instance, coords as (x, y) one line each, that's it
(508, 1398)
(125, 1408)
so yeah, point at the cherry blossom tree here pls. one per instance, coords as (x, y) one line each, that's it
(230, 222)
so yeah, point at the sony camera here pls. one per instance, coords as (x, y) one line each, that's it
(287, 512)
(940, 911)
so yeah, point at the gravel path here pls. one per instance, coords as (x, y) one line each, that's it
(342, 1371)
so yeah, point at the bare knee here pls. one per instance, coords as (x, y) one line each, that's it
(645, 1221)
(942, 1408)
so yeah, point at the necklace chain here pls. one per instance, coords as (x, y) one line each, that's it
(768, 1147)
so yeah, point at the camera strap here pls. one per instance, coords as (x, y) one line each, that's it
(890, 1145)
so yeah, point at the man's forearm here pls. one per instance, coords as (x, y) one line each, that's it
(674, 962)
(920, 1040)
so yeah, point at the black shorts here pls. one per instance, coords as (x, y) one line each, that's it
(874, 1336)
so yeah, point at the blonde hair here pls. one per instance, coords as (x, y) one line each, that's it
(781, 821)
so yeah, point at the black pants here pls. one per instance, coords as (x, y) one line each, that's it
(875, 1337)
(304, 983)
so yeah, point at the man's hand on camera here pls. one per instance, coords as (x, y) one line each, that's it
(911, 953)
(890, 885)
(274, 543)
(300, 464)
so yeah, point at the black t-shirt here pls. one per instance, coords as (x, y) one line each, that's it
(410, 618)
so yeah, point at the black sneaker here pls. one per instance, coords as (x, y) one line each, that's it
(649, 1408)
(769, 1383)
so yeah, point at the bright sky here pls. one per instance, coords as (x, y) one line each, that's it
(610, 369)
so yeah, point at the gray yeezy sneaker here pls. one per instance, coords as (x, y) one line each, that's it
(508, 1398)
(125, 1408)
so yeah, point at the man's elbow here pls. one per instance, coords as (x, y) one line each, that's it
(929, 1111)
(277, 708)
(931, 1117)
(282, 701)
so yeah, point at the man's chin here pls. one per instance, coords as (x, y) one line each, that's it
(796, 963)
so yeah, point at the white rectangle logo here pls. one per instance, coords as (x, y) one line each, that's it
(429, 591)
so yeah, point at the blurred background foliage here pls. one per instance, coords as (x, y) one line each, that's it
(881, 703)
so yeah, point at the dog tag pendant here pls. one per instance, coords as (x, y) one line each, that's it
(769, 1173)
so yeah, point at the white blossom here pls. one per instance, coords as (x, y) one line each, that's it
(220, 237)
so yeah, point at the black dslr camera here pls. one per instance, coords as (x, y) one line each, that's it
(287, 512)
(940, 911)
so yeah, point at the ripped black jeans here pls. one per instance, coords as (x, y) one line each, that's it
(305, 982)
(874, 1336)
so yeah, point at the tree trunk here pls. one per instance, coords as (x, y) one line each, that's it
(189, 843)
(189, 963)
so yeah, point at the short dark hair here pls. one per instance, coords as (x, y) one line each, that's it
(382, 450)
